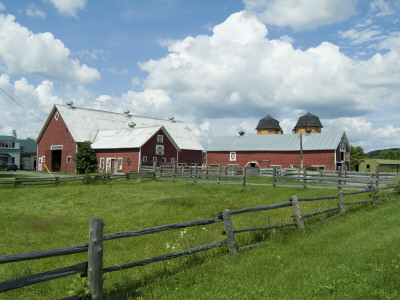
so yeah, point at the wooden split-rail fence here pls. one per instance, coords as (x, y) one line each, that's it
(93, 268)
(280, 177)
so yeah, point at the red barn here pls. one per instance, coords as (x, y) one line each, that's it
(122, 142)
(320, 150)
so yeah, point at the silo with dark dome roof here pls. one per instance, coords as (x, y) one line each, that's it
(268, 125)
(307, 124)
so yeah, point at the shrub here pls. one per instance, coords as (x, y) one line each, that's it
(85, 158)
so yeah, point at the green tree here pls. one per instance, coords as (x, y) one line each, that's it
(357, 154)
(389, 154)
(85, 158)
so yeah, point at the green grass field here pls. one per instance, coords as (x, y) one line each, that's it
(348, 257)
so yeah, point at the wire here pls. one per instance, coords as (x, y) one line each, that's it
(20, 104)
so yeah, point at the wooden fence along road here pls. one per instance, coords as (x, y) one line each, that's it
(93, 268)
(232, 175)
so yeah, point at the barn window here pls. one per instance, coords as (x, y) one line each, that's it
(159, 149)
(172, 160)
(160, 138)
(119, 163)
(144, 158)
(102, 163)
(164, 160)
(56, 116)
(154, 159)
(232, 156)
(43, 159)
(68, 159)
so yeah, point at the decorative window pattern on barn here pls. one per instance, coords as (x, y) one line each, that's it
(159, 149)
(232, 156)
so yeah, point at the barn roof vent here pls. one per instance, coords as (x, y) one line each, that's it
(127, 113)
(69, 104)
(132, 125)
(172, 119)
(241, 133)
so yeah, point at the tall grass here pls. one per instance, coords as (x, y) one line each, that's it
(34, 218)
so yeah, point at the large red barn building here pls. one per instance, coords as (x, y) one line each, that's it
(307, 146)
(122, 142)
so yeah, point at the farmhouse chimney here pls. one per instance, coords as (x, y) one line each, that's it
(14, 134)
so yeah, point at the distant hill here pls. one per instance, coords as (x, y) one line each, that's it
(375, 153)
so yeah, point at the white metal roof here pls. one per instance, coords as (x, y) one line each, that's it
(278, 142)
(124, 138)
(85, 124)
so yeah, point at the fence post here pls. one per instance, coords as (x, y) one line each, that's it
(274, 176)
(95, 258)
(297, 213)
(244, 175)
(173, 172)
(195, 173)
(219, 174)
(339, 176)
(230, 235)
(373, 194)
(304, 177)
(377, 176)
(341, 203)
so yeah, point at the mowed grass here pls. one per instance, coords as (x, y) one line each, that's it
(326, 261)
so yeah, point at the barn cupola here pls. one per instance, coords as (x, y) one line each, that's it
(308, 124)
(268, 125)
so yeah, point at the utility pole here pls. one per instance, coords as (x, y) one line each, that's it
(301, 152)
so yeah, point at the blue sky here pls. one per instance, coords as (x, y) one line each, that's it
(220, 66)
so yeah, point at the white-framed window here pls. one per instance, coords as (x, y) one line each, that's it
(172, 160)
(43, 159)
(40, 164)
(120, 163)
(144, 158)
(69, 159)
(232, 156)
(159, 149)
(101, 164)
(160, 138)
(56, 116)
(154, 159)
(164, 160)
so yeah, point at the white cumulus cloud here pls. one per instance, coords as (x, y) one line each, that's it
(301, 14)
(69, 8)
(23, 52)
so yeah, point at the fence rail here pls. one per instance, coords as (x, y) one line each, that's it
(94, 269)
(232, 175)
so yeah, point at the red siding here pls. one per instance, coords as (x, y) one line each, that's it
(57, 133)
(149, 150)
(285, 159)
(130, 159)
(191, 157)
